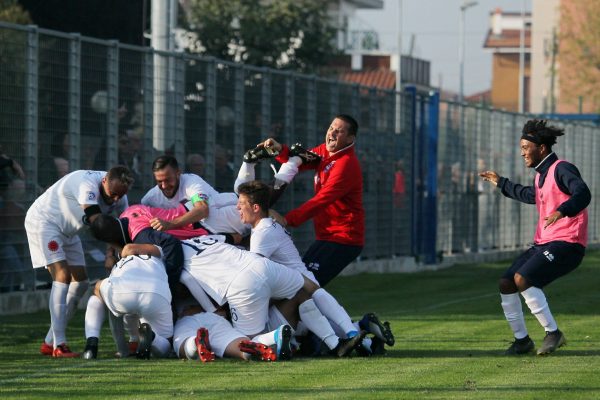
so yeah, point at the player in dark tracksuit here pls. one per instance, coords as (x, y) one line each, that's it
(561, 197)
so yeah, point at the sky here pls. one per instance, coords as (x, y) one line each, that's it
(435, 26)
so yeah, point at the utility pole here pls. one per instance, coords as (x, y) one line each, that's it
(461, 46)
(522, 60)
(399, 73)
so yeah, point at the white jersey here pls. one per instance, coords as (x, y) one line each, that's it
(61, 204)
(140, 274)
(189, 185)
(273, 241)
(214, 264)
(223, 216)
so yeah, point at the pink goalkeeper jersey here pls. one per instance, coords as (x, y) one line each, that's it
(139, 217)
(547, 199)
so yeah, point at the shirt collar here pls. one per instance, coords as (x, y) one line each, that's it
(546, 163)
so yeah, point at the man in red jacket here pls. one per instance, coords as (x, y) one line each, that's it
(337, 207)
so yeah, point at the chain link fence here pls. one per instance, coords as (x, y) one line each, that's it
(69, 102)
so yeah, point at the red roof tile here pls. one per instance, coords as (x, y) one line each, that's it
(509, 38)
(383, 79)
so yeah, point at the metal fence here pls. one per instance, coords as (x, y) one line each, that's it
(69, 102)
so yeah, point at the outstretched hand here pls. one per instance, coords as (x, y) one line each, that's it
(490, 176)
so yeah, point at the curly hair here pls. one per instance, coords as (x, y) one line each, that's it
(538, 131)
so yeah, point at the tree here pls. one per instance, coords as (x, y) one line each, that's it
(286, 34)
(579, 49)
(11, 11)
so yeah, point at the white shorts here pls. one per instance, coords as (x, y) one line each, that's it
(150, 307)
(48, 245)
(250, 292)
(220, 331)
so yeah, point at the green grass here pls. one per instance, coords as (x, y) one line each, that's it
(450, 335)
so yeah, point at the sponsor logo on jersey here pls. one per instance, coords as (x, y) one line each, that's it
(91, 195)
(549, 255)
(313, 266)
(53, 245)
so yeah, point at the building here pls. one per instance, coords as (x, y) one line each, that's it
(562, 81)
(504, 41)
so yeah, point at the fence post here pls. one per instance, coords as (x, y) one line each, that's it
(210, 117)
(31, 105)
(238, 111)
(75, 101)
(411, 93)
(112, 95)
(430, 194)
(148, 116)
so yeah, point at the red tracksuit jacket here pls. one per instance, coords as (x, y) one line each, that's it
(336, 208)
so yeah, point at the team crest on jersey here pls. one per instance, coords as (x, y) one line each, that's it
(53, 245)
(329, 166)
(91, 195)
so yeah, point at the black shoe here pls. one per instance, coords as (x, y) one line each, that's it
(283, 337)
(371, 323)
(552, 341)
(145, 344)
(91, 349)
(259, 153)
(377, 346)
(520, 346)
(307, 156)
(346, 346)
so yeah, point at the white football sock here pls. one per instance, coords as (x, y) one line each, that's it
(317, 323)
(245, 174)
(58, 312)
(160, 346)
(267, 339)
(94, 317)
(74, 294)
(131, 323)
(513, 311)
(289, 170)
(190, 349)
(118, 333)
(330, 308)
(536, 301)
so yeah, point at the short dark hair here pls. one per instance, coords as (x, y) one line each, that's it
(257, 192)
(350, 121)
(541, 132)
(108, 229)
(120, 173)
(164, 161)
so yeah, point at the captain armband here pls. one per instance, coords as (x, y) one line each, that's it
(198, 198)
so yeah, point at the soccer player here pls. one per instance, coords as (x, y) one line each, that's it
(207, 207)
(137, 285)
(245, 280)
(271, 240)
(52, 223)
(191, 339)
(561, 197)
(337, 206)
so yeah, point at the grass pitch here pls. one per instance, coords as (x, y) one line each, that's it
(450, 336)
